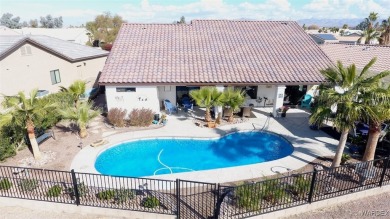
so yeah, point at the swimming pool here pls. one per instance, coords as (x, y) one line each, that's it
(148, 157)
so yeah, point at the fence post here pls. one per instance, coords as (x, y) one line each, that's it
(75, 187)
(178, 198)
(313, 181)
(386, 164)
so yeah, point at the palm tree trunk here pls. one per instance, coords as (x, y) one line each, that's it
(207, 116)
(83, 131)
(33, 140)
(373, 137)
(340, 149)
(231, 117)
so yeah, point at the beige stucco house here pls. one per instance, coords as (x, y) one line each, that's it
(28, 62)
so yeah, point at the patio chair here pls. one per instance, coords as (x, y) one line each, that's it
(169, 107)
(306, 101)
(187, 104)
(246, 111)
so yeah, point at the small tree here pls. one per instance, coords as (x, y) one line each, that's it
(207, 97)
(313, 27)
(345, 26)
(81, 114)
(233, 98)
(9, 21)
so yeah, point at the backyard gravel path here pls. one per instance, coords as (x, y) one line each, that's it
(371, 207)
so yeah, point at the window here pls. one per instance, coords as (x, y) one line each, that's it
(125, 89)
(55, 76)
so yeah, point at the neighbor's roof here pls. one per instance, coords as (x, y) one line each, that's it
(359, 55)
(215, 52)
(70, 51)
(324, 36)
(78, 35)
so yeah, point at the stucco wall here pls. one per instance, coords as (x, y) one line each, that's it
(167, 92)
(143, 97)
(263, 91)
(25, 72)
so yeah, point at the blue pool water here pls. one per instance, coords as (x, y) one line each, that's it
(150, 157)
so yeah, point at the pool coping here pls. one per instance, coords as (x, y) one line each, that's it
(84, 161)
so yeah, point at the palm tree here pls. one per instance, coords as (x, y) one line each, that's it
(233, 98)
(385, 37)
(341, 92)
(207, 97)
(82, 113)
(25, 110)
(381, 109)
(76, 89)
(370, 33)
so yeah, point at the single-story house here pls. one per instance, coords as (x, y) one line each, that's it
(79, 35)
(322, 38)
(152, 62)
(28, 62)
(360, 55)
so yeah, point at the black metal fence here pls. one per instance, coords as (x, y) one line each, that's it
(189, 199)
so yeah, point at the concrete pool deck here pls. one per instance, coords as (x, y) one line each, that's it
(308, 145)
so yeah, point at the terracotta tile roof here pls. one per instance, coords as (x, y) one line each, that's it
(215, 52)
(360, 54)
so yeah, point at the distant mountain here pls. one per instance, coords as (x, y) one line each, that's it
(352, 22)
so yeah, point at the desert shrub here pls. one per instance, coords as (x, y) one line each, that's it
(54, 191)
(150, 202)
(82, 188)
(122, 195)
(301, 185)
(116, 117)
(28, 185)
(272, 192)
(5, 184)
(141, 117)
(50, 118)
(7, 149)
(248, 197)
(106, 195)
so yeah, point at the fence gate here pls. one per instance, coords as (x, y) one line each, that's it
(196, 199)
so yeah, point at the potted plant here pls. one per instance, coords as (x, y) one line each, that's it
(211, 124)
(164, 119)
(284, 109)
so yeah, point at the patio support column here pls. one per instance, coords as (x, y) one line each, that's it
(279, 97)
(218, 109)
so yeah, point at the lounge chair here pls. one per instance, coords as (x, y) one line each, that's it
(169, 107)
(306, 101)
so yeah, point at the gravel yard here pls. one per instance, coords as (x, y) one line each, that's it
(371, 207)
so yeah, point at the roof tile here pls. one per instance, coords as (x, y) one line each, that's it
(214, 51)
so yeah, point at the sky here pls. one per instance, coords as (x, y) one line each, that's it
(167, 11)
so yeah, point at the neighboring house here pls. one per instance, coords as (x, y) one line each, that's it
(322, 38)
(28, 62)
(152, 62)
(360, 55)
(7, 31)
(75, 35)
